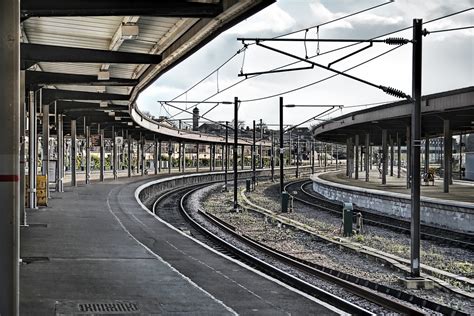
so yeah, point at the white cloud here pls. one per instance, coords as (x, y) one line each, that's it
(272, 20)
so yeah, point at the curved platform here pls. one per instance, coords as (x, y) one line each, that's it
(454, 210)
(101, 247)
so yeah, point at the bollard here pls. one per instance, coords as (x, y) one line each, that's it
(347, 210)
(285, 197)
(359, 223)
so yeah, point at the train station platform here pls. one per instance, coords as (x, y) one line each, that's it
(454, 210)
(95, 246)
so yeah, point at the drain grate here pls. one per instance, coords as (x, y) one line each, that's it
(108, 307)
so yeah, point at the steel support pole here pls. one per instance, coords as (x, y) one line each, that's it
(143, 156)
(366, 157)
(298, 157)
(197, 157)
(9, 156)
(392, 152)
(226, 155)
(460, 156)
(222, 154)
(408, 156)
(261, 146)
(32, 151)
(326, 157)
(60, 140)
(88, 154)
(155, 155)
(356, 169)
(236, 138)
(184, 157)
(22, 219)
(384, 156)
(170, 156)
(348, 168)
(399, 157)
(416, 144)
(282, 148)
(138, 154)
(159, 156)
(179, 157)
(102, 155)
(272, 157)
(312, 157)
(45, 141)
(73, 153)
(114, 153)
(254, 156)
(242, 157)
(210, 157)
(337, 157)
(129, 154)
(448, 147)
(427, 154)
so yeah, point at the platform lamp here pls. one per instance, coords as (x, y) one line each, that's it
(284, 195)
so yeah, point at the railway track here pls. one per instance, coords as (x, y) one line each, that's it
(428, 232)
(177, 215)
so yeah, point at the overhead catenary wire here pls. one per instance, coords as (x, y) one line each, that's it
(320, 54)
(453, 29)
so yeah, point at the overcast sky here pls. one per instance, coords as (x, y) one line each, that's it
(447, 59)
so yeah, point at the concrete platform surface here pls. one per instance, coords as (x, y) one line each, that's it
(461, 191)
(95, 245)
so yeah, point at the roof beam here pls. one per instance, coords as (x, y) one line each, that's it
(163, 8)
(50, 53)
(66, 106)
(53, 78)
(51, 95)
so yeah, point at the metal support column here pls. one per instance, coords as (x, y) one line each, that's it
(448, 148)
(282, 149)
(197, 157)
(102, 155)
(236, 135)
(210, 157)
(226, 154)
(60, 140)
(9, 157)
(392, 151)
(73, 153)
(337, 157)
(114, 153)
(408, 156)
(366, 157)
(356, 169)
(88, 154)
(254, 156)
(460, 156)
(143, 157)
(427, 154)
(32, 151)
(170, 156)
(399, 157)
(129, 154)
(384, 156)
(242, 157)
(184, 157)
(261, 146)
(45, 162)
(312, 157)
(159, 156)
(415, 144)
(326, 157)
(222, 154)
(298, 156)
(22, 118)
(272, 157)
(155, 155)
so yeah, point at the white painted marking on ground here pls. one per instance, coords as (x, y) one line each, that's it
(229, 309)
(143, 186)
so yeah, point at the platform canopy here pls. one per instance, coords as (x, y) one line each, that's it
(91, 58)
(457, 106)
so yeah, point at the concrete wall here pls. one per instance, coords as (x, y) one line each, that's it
(148, 192)
(448, 214)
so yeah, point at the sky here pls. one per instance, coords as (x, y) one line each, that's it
(448, 60)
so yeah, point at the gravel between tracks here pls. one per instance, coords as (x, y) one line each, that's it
(323, 253)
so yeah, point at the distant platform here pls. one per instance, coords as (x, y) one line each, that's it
(453, 210)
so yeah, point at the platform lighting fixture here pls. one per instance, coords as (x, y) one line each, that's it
(130, 123)
(129, 31)
(103, 104)
(111, 113)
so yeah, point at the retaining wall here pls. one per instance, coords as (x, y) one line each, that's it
(443, 213)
